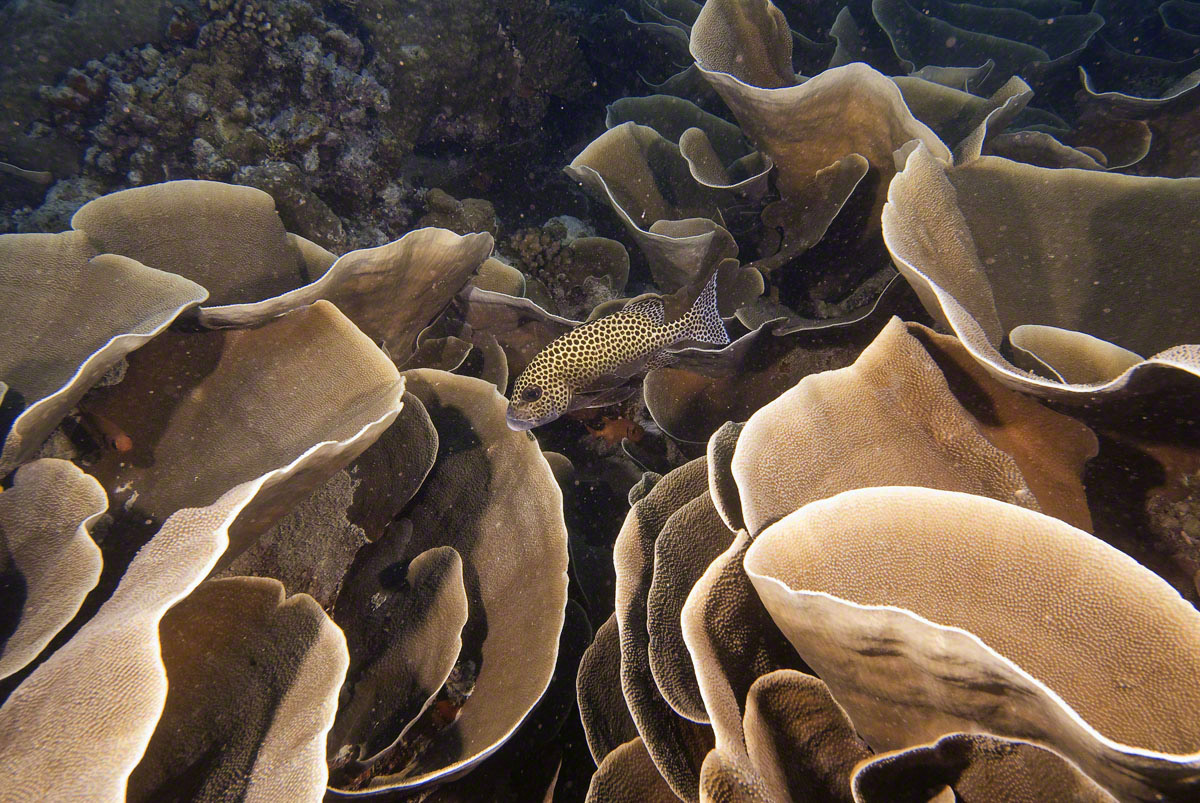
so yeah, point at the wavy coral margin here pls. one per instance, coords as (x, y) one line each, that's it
(39, 735)
(441, 387)
(37, 421)
(940, 652)
(1147, 375)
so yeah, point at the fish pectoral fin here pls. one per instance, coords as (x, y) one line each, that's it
(621, 375)
(602, 397)
(607, 382)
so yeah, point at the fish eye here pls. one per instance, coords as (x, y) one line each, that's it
(531, 393)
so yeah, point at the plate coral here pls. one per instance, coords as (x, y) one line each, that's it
(925, 528)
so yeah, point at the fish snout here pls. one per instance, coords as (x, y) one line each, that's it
(516, 422)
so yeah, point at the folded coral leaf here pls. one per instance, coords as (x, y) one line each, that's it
(929, 612)
(50, 560)
(68, 316)
(992, 244)
(253, 681)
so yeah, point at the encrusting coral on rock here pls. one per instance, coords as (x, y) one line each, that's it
(923, 528)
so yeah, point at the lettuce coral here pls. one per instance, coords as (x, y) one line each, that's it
(926, 528)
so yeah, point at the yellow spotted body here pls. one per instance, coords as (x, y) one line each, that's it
(620, 345)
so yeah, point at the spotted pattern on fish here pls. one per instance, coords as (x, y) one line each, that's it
(637, 333)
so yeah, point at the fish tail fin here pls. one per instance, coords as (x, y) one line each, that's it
(704, 321)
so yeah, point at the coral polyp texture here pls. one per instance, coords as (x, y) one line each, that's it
(913, 516)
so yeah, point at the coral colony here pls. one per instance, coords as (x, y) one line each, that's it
(627, 401)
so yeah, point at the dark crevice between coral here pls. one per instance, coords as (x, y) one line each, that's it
(435, 520)
(13, 593)
(851, 250)
(119, 541)
(1148, 446)
(12, 404)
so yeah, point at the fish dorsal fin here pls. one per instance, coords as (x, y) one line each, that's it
(649, 307)
(605, 308)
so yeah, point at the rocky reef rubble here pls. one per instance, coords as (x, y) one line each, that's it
(317, 106)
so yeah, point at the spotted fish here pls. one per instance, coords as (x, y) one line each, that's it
(583, 367)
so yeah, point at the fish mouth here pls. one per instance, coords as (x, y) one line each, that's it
(519, 424)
